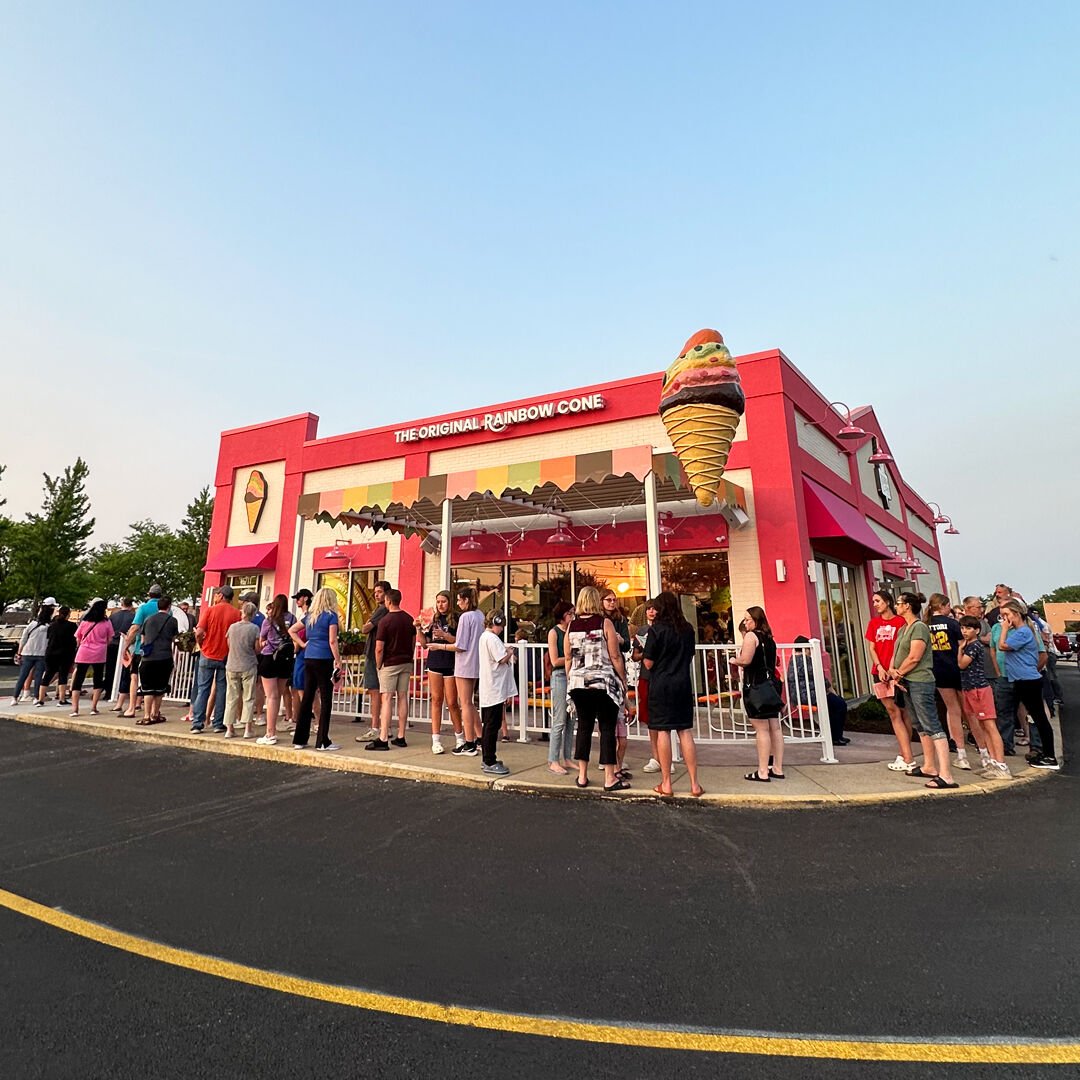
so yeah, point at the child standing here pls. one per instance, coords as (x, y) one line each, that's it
(977, 700)
(497, 686)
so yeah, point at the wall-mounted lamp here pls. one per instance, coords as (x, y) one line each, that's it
(781, 570)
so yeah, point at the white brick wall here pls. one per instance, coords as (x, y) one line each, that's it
(641, 431)
(919, 527)
(886, 536)
(818, 445)
(370, 472)
(744, 553)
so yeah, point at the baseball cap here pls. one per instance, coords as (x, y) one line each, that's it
(250, 597)
(306, 593)
(154, 590)
(49, 601)
(226, 591)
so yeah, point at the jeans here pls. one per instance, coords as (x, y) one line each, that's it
(923, 699)
(1029, 694)
(210, 671)
(561, 745)
(241, 685)
(1005, 707)
(31, 666)
(837, 715)
(1050, 675)
(595, 707)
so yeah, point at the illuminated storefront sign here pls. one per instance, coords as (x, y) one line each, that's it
(500, 421)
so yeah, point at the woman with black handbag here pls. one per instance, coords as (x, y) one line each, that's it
(761, 698)
(277, 652)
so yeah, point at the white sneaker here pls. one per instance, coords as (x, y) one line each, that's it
(652, 765)
(329, 746)
(963, 763)
(15, 700)
(266, 740)
(900, 765)
(437, 747)
(373, 733)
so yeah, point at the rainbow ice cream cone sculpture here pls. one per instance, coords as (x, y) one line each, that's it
(701, 402)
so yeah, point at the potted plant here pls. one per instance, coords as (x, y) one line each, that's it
(351, 643)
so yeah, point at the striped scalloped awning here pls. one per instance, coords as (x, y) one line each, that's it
(525, 476)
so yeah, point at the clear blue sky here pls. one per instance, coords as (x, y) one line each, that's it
(218, 214)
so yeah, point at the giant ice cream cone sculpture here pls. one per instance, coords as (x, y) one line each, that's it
(701, 402)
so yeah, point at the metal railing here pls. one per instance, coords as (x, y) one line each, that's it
(720, 717)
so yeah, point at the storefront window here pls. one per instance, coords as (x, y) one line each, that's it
(701, 580)
(244, 583)
(842, 625)
(355, 594)
(487, 580)
(535, 588)
(626, 576)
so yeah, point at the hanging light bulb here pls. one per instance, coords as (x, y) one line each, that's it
(664, 526)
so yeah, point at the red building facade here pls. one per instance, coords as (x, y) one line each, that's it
(528, 500)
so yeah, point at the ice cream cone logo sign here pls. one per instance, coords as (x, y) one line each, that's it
(255, 499)
(701, 402)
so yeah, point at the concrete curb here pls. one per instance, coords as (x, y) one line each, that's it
(420, 774)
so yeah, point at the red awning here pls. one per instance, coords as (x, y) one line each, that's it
(828, 517)
(245, 557)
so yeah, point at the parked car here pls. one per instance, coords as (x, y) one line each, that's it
(9, 643)
(1066, 643)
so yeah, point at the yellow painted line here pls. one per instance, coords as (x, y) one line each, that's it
(1036, 1052)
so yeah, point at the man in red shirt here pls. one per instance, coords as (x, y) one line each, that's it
(211, 636)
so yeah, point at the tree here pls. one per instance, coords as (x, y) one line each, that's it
(1064, 594)
(193, 540)
(49, 555)
(151, 554)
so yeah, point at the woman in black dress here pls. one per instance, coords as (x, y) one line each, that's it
(669, 654)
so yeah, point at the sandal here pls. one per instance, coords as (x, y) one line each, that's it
(619, 785)
(624, 774)
(917, 771)
(582, 783)
(143, 722)
(658, 790)
(758, 779)
(697, 794)
(777, 775)
(940, 784)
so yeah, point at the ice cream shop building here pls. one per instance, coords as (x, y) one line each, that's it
(527, 501)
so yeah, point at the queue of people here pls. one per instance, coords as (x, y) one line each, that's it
(938, 670)
(951, 676)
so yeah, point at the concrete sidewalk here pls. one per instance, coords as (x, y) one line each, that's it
(861, 776)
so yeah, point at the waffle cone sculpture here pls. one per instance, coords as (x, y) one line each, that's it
(701, 402)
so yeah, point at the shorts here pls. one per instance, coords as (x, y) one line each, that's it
(154, 677)
(269, 668)
(947, 680)
(371, 674)
(979, 704)
(395, 677)
(922, 707)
